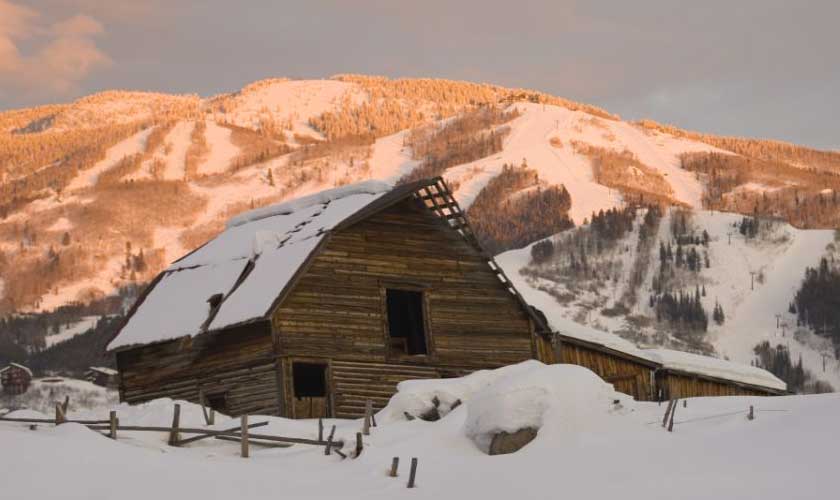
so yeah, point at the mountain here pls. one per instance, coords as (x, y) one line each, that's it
(96, 196)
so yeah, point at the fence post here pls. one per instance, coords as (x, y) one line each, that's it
(113, 422)
(66, 405)
(175, 433)
(413, 473)
(667, 412)
(366, 424)
(244, 436)
(751, 414)
(212, 419)
(320, 429)
(395, 464)
(359, 445)
(59, 414)
(329, 441)
(673, 411)
(203, 406)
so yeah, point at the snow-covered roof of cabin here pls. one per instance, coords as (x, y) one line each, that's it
(249, 264)
(714, 367)
(103, 370)
(10, 365)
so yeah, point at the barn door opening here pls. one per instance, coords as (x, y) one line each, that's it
(406, 325)
(310, 389)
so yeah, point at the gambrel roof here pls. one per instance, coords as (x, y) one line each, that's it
(242, 275)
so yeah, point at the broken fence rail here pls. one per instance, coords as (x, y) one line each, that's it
(104, 425)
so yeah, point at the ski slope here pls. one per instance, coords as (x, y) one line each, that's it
(530, 140)
(133, 145)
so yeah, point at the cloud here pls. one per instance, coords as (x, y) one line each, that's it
(59, 55)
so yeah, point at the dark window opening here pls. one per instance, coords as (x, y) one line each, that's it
(406, 329)
(218, 402)
(310, 380)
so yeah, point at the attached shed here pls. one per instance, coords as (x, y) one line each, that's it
(685, 375)
(312, 307)
(611, 358)
(15, 379)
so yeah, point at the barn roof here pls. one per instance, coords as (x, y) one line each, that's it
(713, 367)
(16, 365)
(103, 370)
(243, 273)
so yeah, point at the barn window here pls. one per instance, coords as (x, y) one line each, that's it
(406, 328)
(310, 380)
(218, 402)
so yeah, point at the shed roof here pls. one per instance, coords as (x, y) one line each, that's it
(241, 275)
(714, 367)
(103, 370)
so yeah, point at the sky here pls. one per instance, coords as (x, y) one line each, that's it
(761, 68)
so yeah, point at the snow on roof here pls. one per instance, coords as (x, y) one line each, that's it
(249, 264)
(10, 365)
(714, 367)
(102, 369)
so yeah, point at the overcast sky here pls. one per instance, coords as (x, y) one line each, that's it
(765, 68)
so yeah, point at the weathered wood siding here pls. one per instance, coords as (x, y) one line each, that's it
(626, 375)
(239, 362)
(684, 385)
(337, 309)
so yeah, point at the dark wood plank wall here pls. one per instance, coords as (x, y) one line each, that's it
(682, 385)
(627, 376)
(239, 362)
(337, 309)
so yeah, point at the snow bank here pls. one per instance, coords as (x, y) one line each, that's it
(526, 395)
(713, 367)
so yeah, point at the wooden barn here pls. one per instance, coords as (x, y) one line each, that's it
(312, 307)
(103, 376)
(15, 379)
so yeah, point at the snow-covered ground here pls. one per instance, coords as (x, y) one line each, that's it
(43, 393)
(591, 443)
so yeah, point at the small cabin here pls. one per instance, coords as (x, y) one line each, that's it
(313, 307)
(103, 377)
(15, 379)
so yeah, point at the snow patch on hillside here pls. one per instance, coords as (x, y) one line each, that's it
(133, 145)
(391, 159)
(66, 332)
(291, 102)
(222, 150)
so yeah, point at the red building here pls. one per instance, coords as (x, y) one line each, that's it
(15, 379)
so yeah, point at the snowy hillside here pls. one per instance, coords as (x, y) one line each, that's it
(103, 193)
(752, 279)
(588, 444)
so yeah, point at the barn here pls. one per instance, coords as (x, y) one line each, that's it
(315, 306)
(15, 379)
(312, 307)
